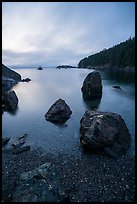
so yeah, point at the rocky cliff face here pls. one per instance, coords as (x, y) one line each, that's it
(10, 73)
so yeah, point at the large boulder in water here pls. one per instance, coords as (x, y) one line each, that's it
(59, 112)
(92, 86)
(40, 185)
(10, 100)
(104, 132)
(10, 73)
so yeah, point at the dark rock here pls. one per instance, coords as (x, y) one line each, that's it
(5, 140)
(59, 112)
(117, 87)
(10, 100)
(7, 84)
(10, 73)
(23, 136)
(26, 80)
(104, 132)
(40, 68)
(9, 79)
(19, 141)
(92, 86)
(65, 66)
(40, 185)
(18, 150)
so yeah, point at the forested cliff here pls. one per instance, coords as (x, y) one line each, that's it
(121, 55)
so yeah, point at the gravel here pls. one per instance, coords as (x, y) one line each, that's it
(86, 177)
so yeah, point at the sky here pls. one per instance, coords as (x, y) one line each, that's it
(49, 34)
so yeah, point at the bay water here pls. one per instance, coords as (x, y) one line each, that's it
(50, 84)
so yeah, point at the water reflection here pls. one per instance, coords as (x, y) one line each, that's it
(10, 111)
(92, 104)
(13, 112)
(121, 76)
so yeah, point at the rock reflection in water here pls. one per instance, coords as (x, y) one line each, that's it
(92, 104)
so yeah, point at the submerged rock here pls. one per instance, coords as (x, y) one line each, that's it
(92, 86)
(117, 87)
(104, 132)
(17, 146)
(19, 141)
(40, 185)
(59, 112)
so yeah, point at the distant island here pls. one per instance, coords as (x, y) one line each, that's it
(65, 66)
(118, 57)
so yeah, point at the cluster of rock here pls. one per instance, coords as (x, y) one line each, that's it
(102, 132)
(39, 185)
(26, 80)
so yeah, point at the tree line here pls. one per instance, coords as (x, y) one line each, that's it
(120, 55)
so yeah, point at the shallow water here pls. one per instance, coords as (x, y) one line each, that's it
(48, 85)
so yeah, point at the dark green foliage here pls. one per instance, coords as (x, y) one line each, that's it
(121, 55)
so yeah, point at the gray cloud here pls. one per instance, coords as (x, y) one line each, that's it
(52, 33)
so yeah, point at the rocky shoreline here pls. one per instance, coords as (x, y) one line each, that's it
(85, 178)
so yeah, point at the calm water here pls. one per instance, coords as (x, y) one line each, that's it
(48, 85)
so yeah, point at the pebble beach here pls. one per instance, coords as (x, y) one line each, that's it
(85, 178)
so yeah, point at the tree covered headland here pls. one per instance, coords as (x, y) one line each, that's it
(121, 55)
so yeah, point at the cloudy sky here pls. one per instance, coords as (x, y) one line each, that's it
(55, 33)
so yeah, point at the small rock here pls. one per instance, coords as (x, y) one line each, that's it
(23, 136)
(117, 87)
(40, 68)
